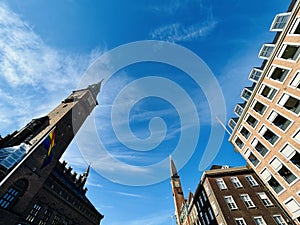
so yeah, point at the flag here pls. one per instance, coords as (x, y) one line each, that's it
(48, 144)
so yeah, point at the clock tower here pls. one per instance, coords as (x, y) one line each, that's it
(34, 185)
(176, 191)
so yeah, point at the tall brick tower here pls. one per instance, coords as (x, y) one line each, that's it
(176, 191)
(29, 156)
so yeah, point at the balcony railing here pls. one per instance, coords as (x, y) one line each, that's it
(239, 108)
(232, 123)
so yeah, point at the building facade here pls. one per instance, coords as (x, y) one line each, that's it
(237, 196)
(35, 188)
(228, 196)
(266, 130)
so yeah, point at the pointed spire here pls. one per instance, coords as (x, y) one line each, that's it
(95, 88)
(173, 169)
(85, 175)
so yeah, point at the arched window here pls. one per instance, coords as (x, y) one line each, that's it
(13, 193)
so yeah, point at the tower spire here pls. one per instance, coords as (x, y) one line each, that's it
(85, 175)
(95, 89)
(173, 170)
(176, 190)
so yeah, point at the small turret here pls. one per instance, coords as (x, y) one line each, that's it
(85, 175)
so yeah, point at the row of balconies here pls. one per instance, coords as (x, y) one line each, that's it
(290, 52)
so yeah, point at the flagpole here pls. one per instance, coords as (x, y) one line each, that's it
(26, 156)
(222, 124)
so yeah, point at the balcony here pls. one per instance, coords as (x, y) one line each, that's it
(246, 93)
(279, 22)
(232, 123)
(239, 108)
(266, 51)
(255, 74)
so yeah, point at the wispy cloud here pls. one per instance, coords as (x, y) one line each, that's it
(129, 194)
(32, 73)
(185, 30)
(178, 32)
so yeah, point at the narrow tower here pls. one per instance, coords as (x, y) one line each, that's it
(30, 154)
(176, 191)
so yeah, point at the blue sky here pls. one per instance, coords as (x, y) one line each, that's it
(46, 47)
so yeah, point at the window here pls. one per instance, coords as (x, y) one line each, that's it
(268, 92)
(259, 220)
(252, 158)
(33, 212)
(8, 197)
(282, 170)
(266, 51)
(259, 107)
(204, 196)
(269, 135)
(274, 184)
(290, 103)
(240, 221)
(57, 220)
(255, 74)
(290, 52)
(278, 74)
(296, 159)
(210, 214)
(259, 147)
(230, 202)
(292, 154)
(292, 205)
(295, 83)
(46, 217)
(247, 200)
(236, 183)
(239, 142)
(221, 184)
(279, 21)
(279, 121)
(245, 132)
(201, 201)
(297, 136)
(296, 27)
(251, 180)
(251, 121)
(264, 198)
(279, 220)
